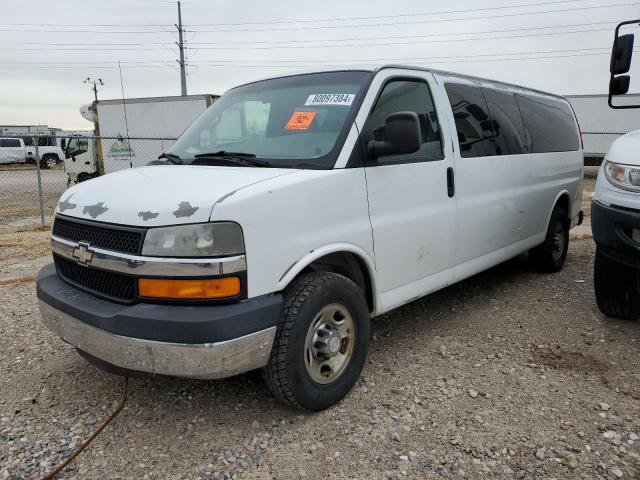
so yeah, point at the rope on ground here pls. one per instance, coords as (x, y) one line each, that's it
(86, 443)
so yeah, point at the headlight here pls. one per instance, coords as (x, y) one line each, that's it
(626, 177)
(198, 240)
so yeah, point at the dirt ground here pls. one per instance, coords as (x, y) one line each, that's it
(509, 374)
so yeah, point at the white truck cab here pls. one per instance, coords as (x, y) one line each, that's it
(615, 209)
(297, 208)
(13, 150)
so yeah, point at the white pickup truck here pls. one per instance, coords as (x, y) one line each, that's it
(13, 150)
(297, 208)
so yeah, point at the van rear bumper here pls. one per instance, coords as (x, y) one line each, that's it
(613, 231)
(203, 342)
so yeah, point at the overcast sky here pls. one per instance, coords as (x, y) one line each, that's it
(47, 48)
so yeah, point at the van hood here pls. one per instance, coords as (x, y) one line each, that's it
(160, 195)
(625, 149)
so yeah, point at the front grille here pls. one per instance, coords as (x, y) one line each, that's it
(117, 239)
(102, 282)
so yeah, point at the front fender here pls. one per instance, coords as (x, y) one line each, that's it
(303, 262)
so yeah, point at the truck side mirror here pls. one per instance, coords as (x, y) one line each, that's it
(619, 85)
(402, 135)
(621, 54)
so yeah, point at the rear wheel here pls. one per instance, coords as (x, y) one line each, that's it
(550, 256)
(321, 343)
(617, 288)
(48, 161)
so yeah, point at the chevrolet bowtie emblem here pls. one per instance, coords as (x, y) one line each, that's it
(82, 254)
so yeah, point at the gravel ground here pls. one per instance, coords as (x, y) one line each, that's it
(509, 374)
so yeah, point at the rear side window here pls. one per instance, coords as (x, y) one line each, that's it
(9, 142)
(408, 96)
(46, 142)
(473, 122)
(508, 127)
(28, 141)
(549, 122)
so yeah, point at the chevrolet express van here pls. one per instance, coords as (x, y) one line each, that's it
(615, 211)
(297, 208)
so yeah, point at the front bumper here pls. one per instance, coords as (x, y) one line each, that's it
(613, 229)
(203, 342)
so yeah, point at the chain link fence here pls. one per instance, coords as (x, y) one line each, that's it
(596, 145)
(36, 169)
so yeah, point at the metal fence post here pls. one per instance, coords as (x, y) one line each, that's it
(39, 173)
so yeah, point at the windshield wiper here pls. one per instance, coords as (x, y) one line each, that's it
(171, 157)
(247, 159)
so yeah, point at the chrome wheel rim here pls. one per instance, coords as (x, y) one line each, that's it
(558, 239)
(50, 162)
(329, 343)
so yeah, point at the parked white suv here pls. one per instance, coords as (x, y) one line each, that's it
(295, 209)
(49, 150)
(13, 150)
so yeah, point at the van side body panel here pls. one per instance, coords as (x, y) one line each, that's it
(505, 201)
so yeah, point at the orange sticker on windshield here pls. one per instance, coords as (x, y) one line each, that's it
(300, 121)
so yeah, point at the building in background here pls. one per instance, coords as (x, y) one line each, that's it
(29, 129)
(601, 125)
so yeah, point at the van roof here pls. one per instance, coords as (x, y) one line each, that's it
(375, 68)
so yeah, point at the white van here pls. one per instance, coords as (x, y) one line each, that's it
(615, 211)
(13, 150)
(297, 208)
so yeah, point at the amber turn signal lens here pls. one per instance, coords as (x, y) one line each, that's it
(189, 289)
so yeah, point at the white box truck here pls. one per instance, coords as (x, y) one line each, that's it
(132, 132)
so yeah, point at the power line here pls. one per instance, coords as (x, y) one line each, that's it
(412, 42)
(341, 19)
(349, 62)
(364, 39)
(505, 15)
(319, 45)
(320, 27)
(116, 32)
(397, 15)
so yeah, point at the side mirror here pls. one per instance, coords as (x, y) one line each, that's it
(402, 136)
(619, 85)
(621, 54)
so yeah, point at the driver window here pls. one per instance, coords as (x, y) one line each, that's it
(77, 146)
(244, 121)
(408, 96)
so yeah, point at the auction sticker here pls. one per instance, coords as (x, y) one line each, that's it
(330, 99)
(300, 121)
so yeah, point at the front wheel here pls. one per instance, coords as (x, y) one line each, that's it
(617, 288)
(49, 161)
(551, 255)
(321, 342)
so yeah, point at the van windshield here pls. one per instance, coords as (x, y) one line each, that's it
(290, 122)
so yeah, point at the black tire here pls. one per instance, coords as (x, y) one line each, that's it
(549, 257)
(49, 161)
(286, 373)
(617, 288)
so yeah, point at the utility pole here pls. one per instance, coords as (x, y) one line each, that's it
(95, 85)
(180, 43)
